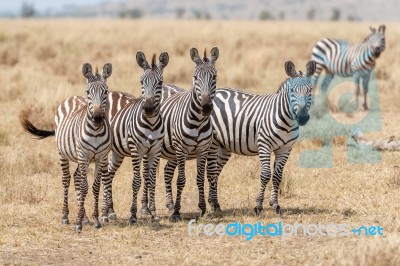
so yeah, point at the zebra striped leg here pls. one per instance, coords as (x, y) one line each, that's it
(281, 157)
(107, 191)
(265, 158)
(145, 211)
(325, 83)
(77, 187)
(357, 85)
(169, 170)
(365, 86)
(151, 184)
(216, 160)
(114, 164)
(81, 194)
(201, 161)
(180, 183)
(98, 171)
(135, 186)
(66, 179)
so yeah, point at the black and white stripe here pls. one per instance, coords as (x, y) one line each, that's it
(83, 135)
(338, 57)
(188, 133)
(138, 131)
(248, 124)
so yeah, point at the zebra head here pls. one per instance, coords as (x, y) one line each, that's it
(299, 88)
(152, 80)
(377, 40)
(205, 79)
(96, 90)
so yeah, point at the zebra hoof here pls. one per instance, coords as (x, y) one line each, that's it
(132, 221)
(365, 107)
(104, 219)
(78, 227)
(278, 210)
(112, 216)
(203, 212)
(145, 211)
(65, 221)
(155, 219)
(175, 218)
(258, 210)
(97, 225)
(85, 220)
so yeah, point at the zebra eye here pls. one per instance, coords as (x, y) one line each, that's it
(141, 82)
(160, 82)
(195, 77)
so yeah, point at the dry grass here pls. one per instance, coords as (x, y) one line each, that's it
(40, 64)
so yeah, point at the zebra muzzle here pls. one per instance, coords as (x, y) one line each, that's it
(206, 105)
(302, 117)
(148, 107)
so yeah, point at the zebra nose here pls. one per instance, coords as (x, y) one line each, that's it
(148, 106)
(97, 115)
(206, 104)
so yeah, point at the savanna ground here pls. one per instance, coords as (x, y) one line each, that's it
(40, 63)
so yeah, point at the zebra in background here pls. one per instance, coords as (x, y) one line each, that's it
(138, 131)
(83, 135)
(338, 57)
(188, 133)
(248, 124)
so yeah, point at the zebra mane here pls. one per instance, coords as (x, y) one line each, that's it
(282, 85)
(366, 39)
(153, 60)
(205, 59)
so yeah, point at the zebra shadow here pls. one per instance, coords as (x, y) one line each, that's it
(141, 222)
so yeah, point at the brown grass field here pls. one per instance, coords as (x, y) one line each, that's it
(40, 65)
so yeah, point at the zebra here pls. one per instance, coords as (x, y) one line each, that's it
(188, 133)
(338, 57)
(138, 132)
(83, 135)
(249, 124)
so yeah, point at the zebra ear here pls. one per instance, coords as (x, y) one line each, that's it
(107, 70)
(141, 60)
(310, 68)
(87, 71)
(373, 30)
(290, 69)
(214, 54)
(382, 29)
(164, 59)
(194, 54)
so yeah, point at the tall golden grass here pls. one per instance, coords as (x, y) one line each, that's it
(40, 65)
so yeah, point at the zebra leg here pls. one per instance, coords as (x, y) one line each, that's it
(107, 191)
(365, 86)
(77, 187)
(180, 183)
(151, 184)
(66, 179)
(114, 164)
(201, 161)
(135, 186)
(265, 158)
(169, 170)
(98, 171)
(81, 194)
(325, 83)
(281, 157)
(145, 211)
(216, 160)
(357, 84)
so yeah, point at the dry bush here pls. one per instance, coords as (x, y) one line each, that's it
(9, 55)
(379, 252)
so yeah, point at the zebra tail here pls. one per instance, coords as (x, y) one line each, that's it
(31, 129)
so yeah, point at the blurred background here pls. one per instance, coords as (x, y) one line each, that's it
(336, 10)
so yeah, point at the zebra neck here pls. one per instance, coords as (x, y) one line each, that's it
(194, 109)
(283, 101)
